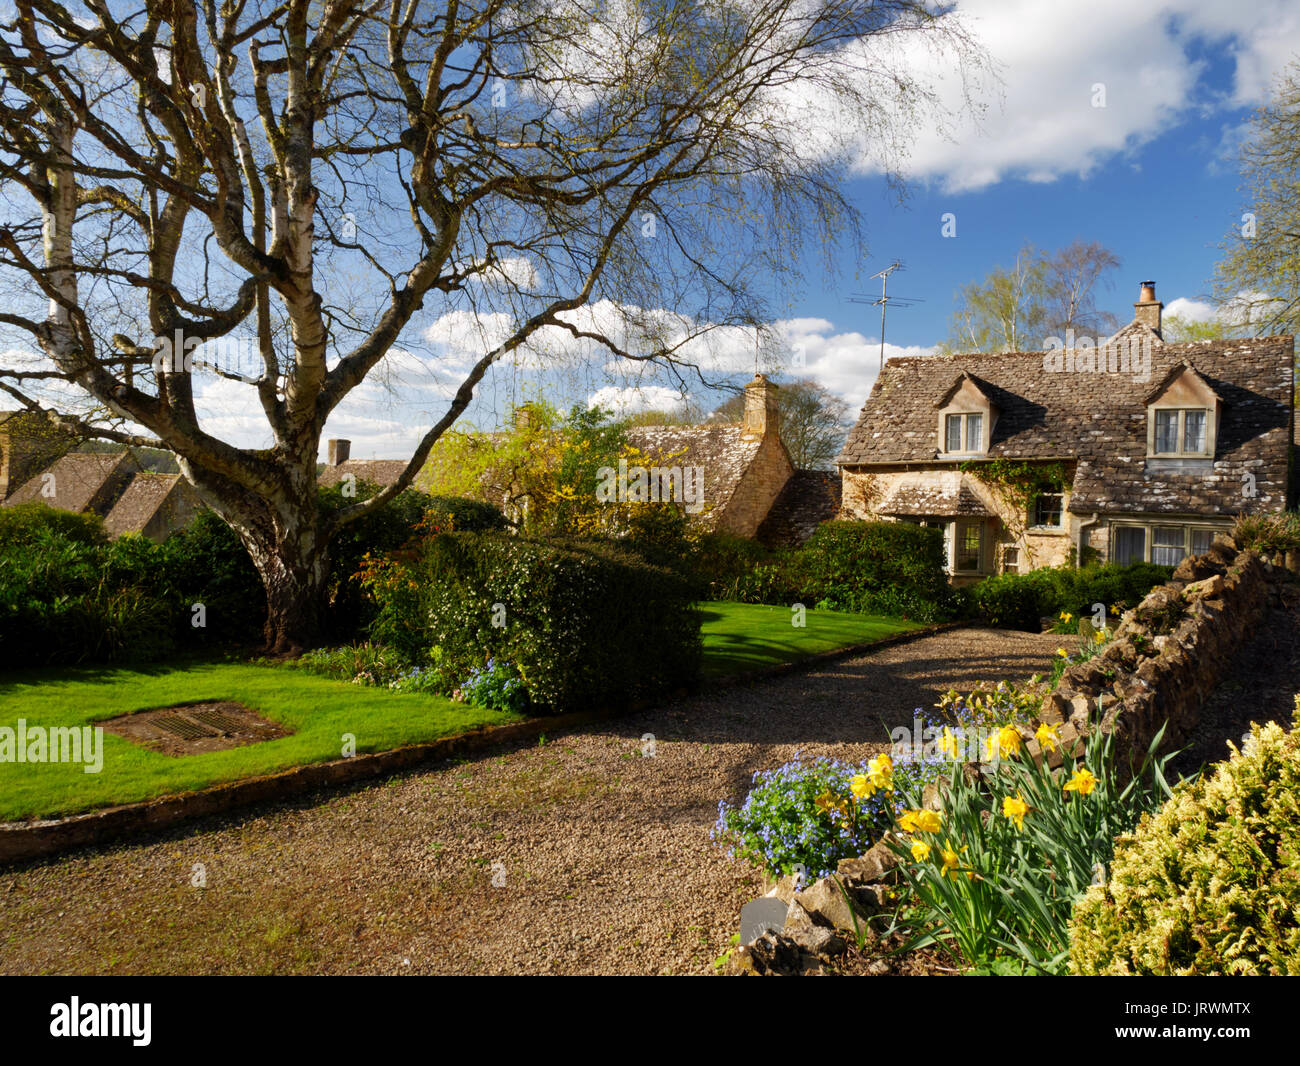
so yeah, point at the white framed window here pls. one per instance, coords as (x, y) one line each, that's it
(1163, 543)
(1010, 559)
(964, 433)
(1180, 432)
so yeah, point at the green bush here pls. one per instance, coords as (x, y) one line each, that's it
(24, 523)
(1021, 601)
(875, 567)
(1209, 885)
(466, 515)
(584, 624)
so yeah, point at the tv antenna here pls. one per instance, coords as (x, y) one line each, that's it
(884, 299)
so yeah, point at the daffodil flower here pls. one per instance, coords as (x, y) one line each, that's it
(1082, 782)
(1046, 737)
(1015, 808)
(951, 860)
(860, 786)
(1009, 740)
(880, 772)
(920, 851)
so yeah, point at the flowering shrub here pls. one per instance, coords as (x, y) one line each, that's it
(998, 871)
(1209, 884)
(496, 686)
(813, 813)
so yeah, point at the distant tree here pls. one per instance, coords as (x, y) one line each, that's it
(1260, 267)
(1176, 329)
(1015, 309)
(814, 422)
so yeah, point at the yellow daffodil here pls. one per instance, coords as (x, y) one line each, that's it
(1062, 653)
(1015, 808)
(1100, 636)
(1067, 617)
(1082, 782)
(991, 747)
(825, 802)
(861, 787)
(1046, 737)
(919, 822)
(951, 860)
(880, 771)
(920, 851)
(948, 743)
(1009, 740)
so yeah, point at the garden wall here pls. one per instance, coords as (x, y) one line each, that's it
(1170, 651)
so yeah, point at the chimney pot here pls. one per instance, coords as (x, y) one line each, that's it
(339, 450)
(1147, 309)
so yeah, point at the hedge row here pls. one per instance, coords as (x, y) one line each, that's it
(1021, 601)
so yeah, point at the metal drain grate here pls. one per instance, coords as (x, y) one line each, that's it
(215, 720)
(185, 727)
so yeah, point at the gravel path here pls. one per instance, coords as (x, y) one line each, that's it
(604, 853)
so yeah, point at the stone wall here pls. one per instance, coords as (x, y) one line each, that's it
(1170, 651)
(761, 484)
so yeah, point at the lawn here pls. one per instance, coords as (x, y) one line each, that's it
(740, 638)
(319, 711)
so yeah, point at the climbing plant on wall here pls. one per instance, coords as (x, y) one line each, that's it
(1018, 483)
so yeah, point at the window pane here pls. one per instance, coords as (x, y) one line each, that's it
(1167, 545)
(1047, 509)
(1194, 431)
(1130, 545)
(968, 547)
(954, 434)
(974, 433)
(1201, 540)
(1166, 431)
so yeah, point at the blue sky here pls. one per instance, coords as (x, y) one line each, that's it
(1151, 175)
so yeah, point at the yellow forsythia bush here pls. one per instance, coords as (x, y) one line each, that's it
(1211, 883)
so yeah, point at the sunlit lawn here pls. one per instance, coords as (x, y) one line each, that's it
(743, 637)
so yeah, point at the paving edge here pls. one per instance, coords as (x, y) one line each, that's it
(23, 841)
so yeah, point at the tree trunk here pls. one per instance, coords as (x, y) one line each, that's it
(288, 546)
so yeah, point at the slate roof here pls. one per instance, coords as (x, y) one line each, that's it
(145, 496)
(723, 452)
(383, 472)
(1099, 418)
(808, 499)
(83, 481)
(950, 495)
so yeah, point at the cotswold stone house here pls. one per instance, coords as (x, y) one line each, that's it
(1135, 450)
(36, 466)
(750, 487)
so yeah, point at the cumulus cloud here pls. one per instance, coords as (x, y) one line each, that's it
(627, 401)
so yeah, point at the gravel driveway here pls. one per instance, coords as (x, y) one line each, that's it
(604, 854)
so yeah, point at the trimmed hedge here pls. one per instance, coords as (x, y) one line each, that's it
(1021, 601)
(584, 624)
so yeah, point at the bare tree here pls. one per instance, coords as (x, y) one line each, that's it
(1072, 278)
(184, 176)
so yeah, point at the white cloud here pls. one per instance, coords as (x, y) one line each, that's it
(1052, 56)
(626, 401)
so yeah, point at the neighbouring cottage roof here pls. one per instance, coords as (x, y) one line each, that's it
(82, 481)
(723, 453)
(808, 499)
(382, 472)
(1100, 419)
(145, 496)
(948, 494)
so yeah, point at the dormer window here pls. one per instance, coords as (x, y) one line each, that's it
(965, 433)
(966, 417)
(1182, 417)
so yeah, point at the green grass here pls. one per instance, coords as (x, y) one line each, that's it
(318, 710)
(740, 638)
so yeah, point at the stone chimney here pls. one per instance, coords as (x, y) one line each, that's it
(339, 451)
(1147, 309)
(761, 412)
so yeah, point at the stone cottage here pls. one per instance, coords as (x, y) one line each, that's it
(37, 466)
(1130, 450)
(750, 486)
